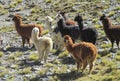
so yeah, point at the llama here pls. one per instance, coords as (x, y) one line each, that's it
(67, 21)
(84, 53)
(87, 34)
(71, 30)
(112, 31)
(43, 44)
(55, 35)
(24, 30)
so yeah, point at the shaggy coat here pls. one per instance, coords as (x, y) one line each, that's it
(43, 44)
(84, 53)
(24, 30)
(112, 31)
(64, 29)
(87, 34)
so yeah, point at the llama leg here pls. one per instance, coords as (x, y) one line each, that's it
(23, 40)
(91, 67)
(41, 53)
(46, 55)
(112, 42)
(117, 42)
(78, 66)
(28, 41)
(84, 66)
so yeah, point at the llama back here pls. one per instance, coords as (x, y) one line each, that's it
(48, 42)
(89, 50)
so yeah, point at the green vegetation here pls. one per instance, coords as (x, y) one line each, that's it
(3, 71)
(42, 72)
(6, 29)
(26, 63)
(63, 54)
(111, 13)
(33, 57)
(25, 70)
(48, 1)
(1, 54)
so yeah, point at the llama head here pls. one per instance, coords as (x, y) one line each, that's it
(78, 18)
(67, 40)
(35, 31)
(58, 17)
(103, 17)
(17, 18)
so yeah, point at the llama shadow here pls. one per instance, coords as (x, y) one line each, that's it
(13, 49)
(68, 60)
(28, 63)
(69, 76)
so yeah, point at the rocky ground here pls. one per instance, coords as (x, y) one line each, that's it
(21, 64)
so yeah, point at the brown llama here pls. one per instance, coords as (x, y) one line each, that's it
(24, 30)
(112, 31)
(84, 53)
(67, 21)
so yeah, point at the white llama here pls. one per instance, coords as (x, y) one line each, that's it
(43, 44)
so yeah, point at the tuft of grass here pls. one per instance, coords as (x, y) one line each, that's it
(49, 65)
(118, 52)
(111, 13)
(7, 29)
(3, 71)
(11, 78)
(48, 1)
(117, 8)
(11, 56)
(56, 61)
(18, 54)
(95, 20)
(15, 66)
(1, 54)
(118, 19)
(33, 10)
(33, 57)
(45, 32)
(97, 26)
(106, 45)
(25, 70)
(63, 54)
(13, 4)
(1, 6)
(42, 72)
(19, 1)
(117, 58)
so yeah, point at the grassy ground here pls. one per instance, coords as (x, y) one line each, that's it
(21, 64)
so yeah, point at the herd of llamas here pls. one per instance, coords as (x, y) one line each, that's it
(65, 34)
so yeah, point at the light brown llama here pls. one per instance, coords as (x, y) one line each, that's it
(112, 31)
(24, 30)
(84, 53)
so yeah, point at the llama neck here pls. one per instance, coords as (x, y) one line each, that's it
(60, 24)
(70, 48)
(18, 23)
(106, 25)
(35, 38)
(80, 25)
